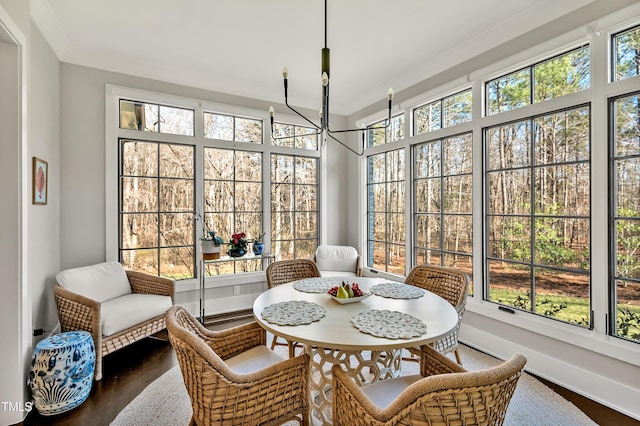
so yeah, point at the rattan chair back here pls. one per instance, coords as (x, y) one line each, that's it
(286, 271)
(219, 396)
(439, 399)
(450, 284)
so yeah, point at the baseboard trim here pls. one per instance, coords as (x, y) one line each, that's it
(228, 317)
(570, 375)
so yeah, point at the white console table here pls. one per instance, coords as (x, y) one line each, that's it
(266, 260)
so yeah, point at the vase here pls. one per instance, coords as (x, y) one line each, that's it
(210, 251)
(258, 247)
(62, 371)
(237, 252)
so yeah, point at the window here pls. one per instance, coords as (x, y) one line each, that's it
(294, 207)
(626, 57)
(443, 203)
(232, 128)
(625, 230)
(386, 225)
(443, 113)
(156, 118)
(156, 208)
(538, 215)
(561, 75)
(379, 135)
(165, 180)
(293, 136)
(233, 200)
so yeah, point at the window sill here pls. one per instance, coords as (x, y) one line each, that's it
(583, 338)
(221, 281)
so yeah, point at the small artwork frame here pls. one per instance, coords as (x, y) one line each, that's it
(40, 180)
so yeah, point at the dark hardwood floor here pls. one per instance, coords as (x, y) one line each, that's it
(125, 374)
(128, 371)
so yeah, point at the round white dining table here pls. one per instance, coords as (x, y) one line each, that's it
(334, 339)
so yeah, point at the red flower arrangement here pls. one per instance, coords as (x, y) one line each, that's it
(238, 241)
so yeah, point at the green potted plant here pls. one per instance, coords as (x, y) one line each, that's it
(258, 245)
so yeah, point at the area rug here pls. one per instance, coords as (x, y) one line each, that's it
(166, 402)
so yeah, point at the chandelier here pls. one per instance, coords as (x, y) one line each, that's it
(323, 127)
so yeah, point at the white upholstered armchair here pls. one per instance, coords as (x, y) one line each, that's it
(115, 306)
(338, 261)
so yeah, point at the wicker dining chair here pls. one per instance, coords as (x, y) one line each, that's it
(232, 378)
(453, 286)
(434, 397)
(286, 271)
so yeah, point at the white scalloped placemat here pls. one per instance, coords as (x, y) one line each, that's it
(397, 291)
(315, 285)
(294, 312)
(389, 324)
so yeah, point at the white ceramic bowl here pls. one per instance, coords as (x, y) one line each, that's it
(351, 299)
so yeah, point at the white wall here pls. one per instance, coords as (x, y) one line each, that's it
(11, 388)
(44, 220)
(30, 234)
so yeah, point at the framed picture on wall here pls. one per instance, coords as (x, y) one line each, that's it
(40, 181)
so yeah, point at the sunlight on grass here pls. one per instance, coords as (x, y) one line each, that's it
(574, 310)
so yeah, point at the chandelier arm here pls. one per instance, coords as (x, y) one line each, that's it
(387, 123)
(303, 117)
(362, 129)
(359, 154)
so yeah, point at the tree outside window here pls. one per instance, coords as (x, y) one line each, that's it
(625, 211)
(538, 215)
(443, 203)
(294, 207)
(386, 227)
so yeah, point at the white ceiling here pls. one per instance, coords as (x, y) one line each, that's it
(240, 46)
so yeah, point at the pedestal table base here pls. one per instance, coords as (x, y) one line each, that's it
(363, 366)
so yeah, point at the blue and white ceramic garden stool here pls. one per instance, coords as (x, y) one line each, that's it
(62, 372)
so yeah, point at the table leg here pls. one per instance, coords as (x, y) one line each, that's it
(363, 366)
(201, 282)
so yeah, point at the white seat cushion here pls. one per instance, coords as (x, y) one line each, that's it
(336, 258)
(131, 309)
(255, 359)
(100, 282)
(337, 274)
(384, 392)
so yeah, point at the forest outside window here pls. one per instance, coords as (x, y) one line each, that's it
(164, 181)
(380, 135)
(156, 208)
(626, 54)
(538, 225)
(294, 136)
(233, 201)
(443, 203)
(386, 227)
(443, 113)
(557, 76)
(294, 206)
(232, 128)
(625, 211)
